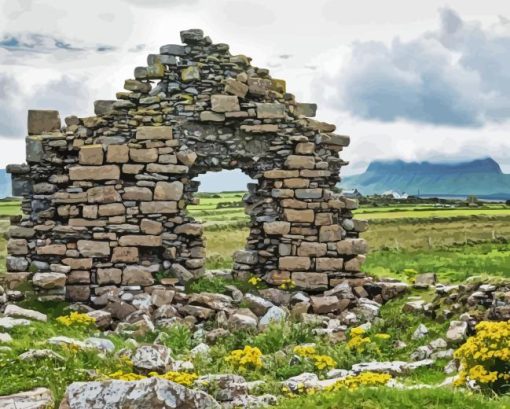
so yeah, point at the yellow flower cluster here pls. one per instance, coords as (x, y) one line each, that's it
(352, 382)
(305, 351)
(125, 376)
(321, 362)
(254, 281)
(358, 341)
(249, 357)
(287, 284)
(324, 362)
(76, 318)
(183, 378)
(485, 357)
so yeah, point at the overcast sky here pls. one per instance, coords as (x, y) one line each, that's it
(414, 80)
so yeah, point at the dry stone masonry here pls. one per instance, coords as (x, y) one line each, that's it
(104, 198)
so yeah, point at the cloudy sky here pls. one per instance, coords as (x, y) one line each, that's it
(414, 80)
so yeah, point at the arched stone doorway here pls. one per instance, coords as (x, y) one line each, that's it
(105, 197)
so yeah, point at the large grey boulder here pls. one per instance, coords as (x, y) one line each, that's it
(147, 393)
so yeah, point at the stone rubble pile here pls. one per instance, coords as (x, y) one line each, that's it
(474, 301)
(104, 198)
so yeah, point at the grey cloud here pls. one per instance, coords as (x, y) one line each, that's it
(40, 43)
(456, 75)
(10, 119)
(67, 95)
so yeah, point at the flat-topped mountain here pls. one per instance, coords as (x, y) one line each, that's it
(481, 177)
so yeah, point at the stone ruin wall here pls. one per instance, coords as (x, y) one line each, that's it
(104, 198)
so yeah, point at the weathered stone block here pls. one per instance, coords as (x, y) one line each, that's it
(137, 193)
(168, 191)
(137, 275)
(92, 248)
(191, 73)
(103, 194)
(262, 128)
(78, 263)
(144, 155)
(310, 281)
(308, 193)
(329, 264)
(125, 255)
(137, 86)
(111, 209)
(187, 157)
(270, 110)
(140, 241)
(151, 227)
(17, 247)
(157, 168)
(103, 107)
(108, 276)
(330, 233)
(308, 110)
(299, 216)
(280, 174)
(106, 172)
(212, 116)
(21, 232)
(277, 228)
(354, 264)
(52, 250)
(154, 132)
(117, 154)
(77, 293)
(305, 148)
(235, 87)
(224, 103)
(296, 183)
(34, 149)
(42, 121)
(293, 263)
(78, 277)
(300, 162)
(163, 207)
(49, 280)
(91, 155)
(312, 249)
(352, 246)
(323, 219)
(249, 257)
(190, 229)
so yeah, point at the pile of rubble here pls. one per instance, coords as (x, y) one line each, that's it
(476, 300)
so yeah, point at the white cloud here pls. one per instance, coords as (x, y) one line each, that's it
(458, 74)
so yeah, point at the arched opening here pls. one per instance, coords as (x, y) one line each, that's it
(219, 205)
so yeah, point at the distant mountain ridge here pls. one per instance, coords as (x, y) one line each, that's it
(481, 177)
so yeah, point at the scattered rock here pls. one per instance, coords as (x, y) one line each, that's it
(146, 393)
(151, 358)
(39, 398)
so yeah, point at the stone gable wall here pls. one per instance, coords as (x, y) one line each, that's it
(104, 198)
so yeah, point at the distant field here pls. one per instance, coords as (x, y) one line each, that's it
(9, 208)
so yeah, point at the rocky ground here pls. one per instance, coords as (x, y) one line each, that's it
(218, 343)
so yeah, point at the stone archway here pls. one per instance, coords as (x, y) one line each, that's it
(105, 197)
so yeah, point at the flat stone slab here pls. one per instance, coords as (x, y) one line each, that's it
(39, 398)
